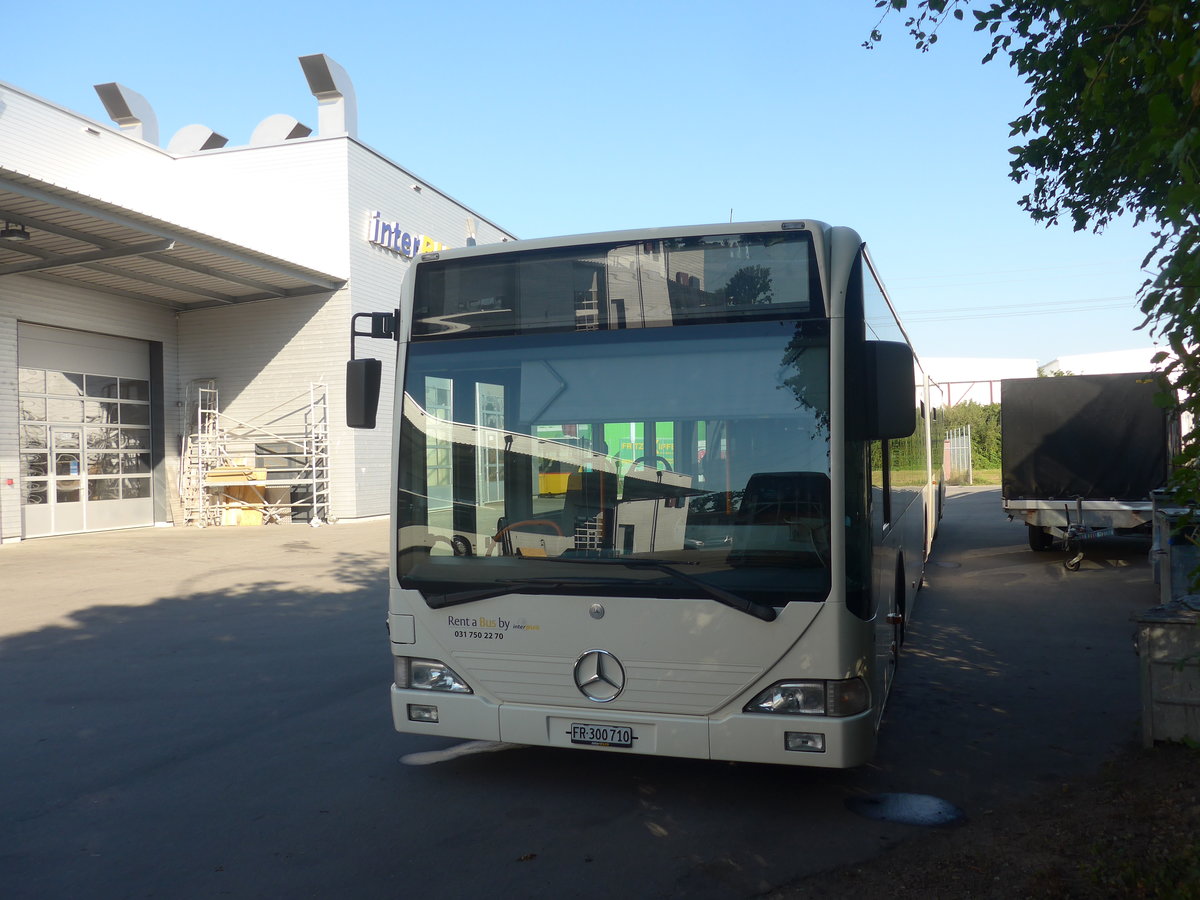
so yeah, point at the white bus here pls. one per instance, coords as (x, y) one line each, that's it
(666, 492)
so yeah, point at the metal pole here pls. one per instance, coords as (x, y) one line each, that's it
(970, 458)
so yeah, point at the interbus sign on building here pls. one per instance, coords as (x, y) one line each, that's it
(666, 492)
(396, 238)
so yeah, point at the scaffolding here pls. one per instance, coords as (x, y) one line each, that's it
(275, 469)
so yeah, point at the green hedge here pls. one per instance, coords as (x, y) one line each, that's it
(985, 431)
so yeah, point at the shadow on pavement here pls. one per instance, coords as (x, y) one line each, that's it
(230, 734)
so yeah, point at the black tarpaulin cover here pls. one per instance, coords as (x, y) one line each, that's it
(1099, 437)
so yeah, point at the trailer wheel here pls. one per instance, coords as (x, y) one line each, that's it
(1039, 539)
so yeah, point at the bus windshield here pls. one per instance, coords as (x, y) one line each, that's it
(680, 461)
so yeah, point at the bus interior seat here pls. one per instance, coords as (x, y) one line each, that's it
(798, 501)
(775, 497)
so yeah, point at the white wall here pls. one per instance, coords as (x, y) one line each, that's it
(275, 199)
(379, 185)
(53, 144)
(287, 199)
(10, 469)
(264, 358)
(290, 201)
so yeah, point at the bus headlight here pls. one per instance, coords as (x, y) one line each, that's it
(791, 698)
(428, 675)
(846, 697)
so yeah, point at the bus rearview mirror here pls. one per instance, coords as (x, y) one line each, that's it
(363, 377)
(892, 407)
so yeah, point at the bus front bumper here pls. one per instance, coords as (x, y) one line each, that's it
(818, 740)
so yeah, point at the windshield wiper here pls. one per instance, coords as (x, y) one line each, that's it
(500, 588)
(741, 604)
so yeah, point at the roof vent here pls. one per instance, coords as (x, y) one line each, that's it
(276, 129)
(337, 109)
(196, 138)
(130, 110)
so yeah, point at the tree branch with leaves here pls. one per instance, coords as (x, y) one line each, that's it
(1111, 128)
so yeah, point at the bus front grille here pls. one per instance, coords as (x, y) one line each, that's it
(686, 688)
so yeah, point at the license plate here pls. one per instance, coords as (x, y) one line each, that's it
(601, 735)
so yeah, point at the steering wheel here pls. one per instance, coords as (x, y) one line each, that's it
(643, 460)
(501, 539)
(507, 528)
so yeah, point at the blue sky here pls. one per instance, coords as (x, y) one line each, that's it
(558, 118)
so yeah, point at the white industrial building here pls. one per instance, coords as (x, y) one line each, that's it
(174, 320)
(1113, 362)
(975, 379)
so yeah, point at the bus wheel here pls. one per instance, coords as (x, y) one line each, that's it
(1039, 539)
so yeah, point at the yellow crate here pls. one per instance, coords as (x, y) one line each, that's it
(241, 514)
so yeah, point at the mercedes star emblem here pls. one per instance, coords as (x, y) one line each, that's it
(599, 676)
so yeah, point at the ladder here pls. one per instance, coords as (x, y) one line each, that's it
(317, 451)
(201, 453)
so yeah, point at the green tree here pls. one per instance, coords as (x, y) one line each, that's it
(749, 285)
(1112, 128)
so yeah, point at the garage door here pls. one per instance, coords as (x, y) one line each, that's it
(84, 431)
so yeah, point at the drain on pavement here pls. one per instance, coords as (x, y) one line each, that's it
(907, 809)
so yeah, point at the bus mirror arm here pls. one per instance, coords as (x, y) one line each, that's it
(383, 325)
(364, 376)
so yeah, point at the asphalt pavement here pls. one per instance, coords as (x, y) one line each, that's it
(201, 713)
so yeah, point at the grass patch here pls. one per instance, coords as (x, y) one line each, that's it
(979, 476)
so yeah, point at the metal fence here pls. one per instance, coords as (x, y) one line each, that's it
(959, 457)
